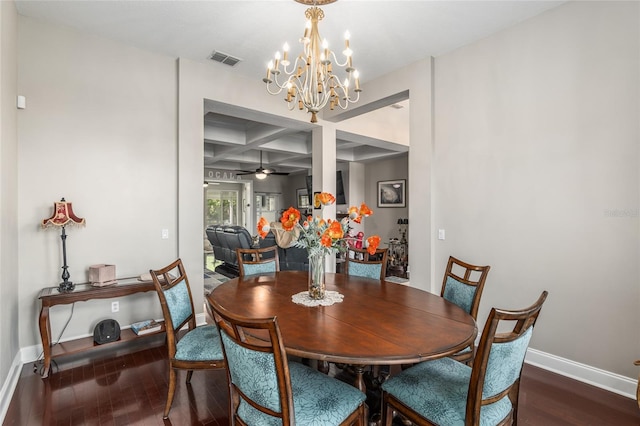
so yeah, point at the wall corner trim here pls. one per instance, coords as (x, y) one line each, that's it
(9, 385)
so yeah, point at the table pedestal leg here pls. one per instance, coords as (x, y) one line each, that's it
(359, 381)
(323, 367)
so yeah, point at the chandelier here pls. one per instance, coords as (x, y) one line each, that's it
(310, 81)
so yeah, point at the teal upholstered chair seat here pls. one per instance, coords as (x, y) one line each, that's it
(365, 270)
(463, 284)
(197, 348)
(258, 261)
(449, 392)
(437, 390)
(280, 392)
(317, 400)
(260, 268)
(200, 344)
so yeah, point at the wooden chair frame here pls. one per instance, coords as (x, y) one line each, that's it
(466, 279)
(380, 256)
(524, 319)
(242, 331)
(163, 279)
(638, 387)
(258, 256)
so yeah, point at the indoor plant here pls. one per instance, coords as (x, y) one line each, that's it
(320, 236)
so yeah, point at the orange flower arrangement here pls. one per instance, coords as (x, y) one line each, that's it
(318, 235)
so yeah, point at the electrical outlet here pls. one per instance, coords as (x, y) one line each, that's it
(165, 234)
(115, 306)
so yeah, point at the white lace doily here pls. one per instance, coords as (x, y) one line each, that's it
(330, 297)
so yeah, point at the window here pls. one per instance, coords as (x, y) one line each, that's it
(221, 207)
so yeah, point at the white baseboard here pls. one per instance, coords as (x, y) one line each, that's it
(606, 380)
(9, 385)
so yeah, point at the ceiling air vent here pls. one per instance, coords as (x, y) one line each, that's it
(224, 58)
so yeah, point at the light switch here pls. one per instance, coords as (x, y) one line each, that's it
(165, 234)
(441, 234)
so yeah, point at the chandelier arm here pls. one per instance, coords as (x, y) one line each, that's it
(276, 92)
(347, 101)
(294, 65)
(336, 61)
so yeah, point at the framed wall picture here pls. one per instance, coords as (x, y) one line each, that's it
(303, 198)
(392, 193)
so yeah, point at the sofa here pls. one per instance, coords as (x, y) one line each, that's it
(225, 239)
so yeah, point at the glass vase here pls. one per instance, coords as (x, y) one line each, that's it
(316, 276)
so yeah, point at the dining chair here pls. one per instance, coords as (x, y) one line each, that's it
(463, 284)
(267, 389)
(359, 263)
(449, 392)
(256, 261)
(196, 348)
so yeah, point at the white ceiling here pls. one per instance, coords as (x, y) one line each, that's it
(385, 36)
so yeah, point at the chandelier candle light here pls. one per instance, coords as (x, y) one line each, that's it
(310, 80)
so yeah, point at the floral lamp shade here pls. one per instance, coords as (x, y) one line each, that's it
(62, 215)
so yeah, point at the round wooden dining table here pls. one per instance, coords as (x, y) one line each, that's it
(377, 322)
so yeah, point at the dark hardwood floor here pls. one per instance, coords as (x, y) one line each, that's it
(124, 388)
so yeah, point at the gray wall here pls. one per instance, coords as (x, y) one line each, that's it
(384, 220)
(9, 286)
(99, 129)
(536, 162)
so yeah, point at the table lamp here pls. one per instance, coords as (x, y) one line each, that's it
(62, 217)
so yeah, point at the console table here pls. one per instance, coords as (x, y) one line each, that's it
(50, 296)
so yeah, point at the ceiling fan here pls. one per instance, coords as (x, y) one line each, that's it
(260, 172)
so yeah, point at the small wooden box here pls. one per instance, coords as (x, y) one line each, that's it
(101, 275)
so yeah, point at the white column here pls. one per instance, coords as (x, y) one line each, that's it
(356, 192)
(323, 141)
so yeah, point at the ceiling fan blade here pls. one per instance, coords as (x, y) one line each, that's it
(279, 173)
(244, 172)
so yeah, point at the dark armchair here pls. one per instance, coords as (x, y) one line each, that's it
(224, 241)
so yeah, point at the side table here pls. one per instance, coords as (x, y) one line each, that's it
(50, 296)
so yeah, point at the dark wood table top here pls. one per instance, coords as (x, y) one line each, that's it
(377, 323)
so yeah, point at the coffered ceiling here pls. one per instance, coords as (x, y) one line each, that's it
(234, 139)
